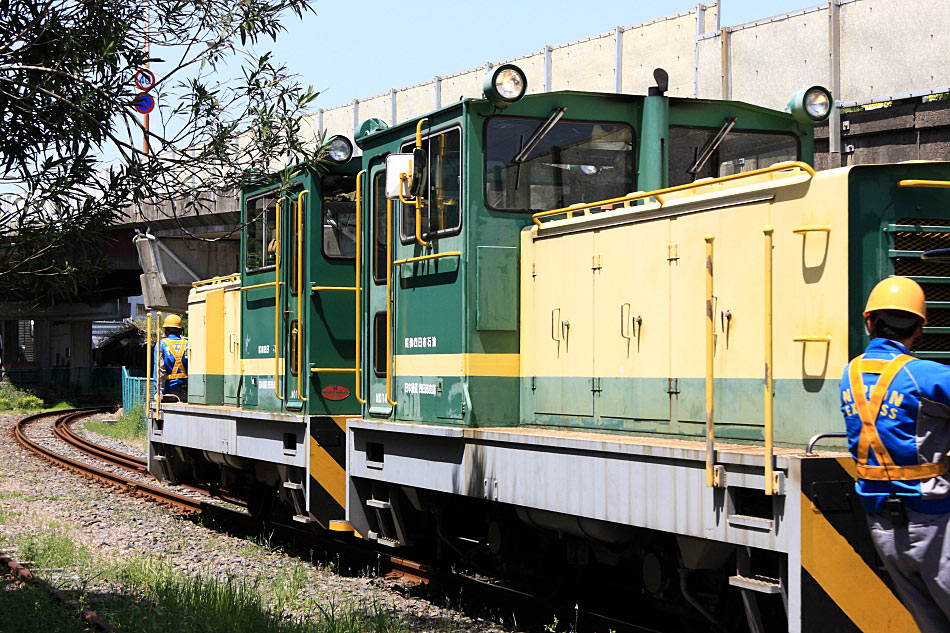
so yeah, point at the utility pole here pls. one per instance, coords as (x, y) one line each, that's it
(145, 139)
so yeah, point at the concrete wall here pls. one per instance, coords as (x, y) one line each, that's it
(863, 50)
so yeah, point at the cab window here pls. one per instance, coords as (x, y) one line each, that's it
(533, 165)
(379, 227)
(260, 232)
(339, 216)
(441, 212)
(737, 152)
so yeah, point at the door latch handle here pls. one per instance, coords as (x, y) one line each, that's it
(565, 329)
(725, 318)
(623, 320)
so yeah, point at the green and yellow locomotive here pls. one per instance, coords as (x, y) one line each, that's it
(570, 331)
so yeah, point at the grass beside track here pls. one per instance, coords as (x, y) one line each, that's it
(26, 607)
(147, 595)
(128, 426)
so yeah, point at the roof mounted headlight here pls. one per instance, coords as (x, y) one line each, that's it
(339, 149)
(504, 85)
(811, 105)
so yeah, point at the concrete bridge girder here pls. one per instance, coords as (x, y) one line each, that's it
(171, 264)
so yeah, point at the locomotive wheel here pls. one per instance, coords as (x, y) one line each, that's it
(260, 502)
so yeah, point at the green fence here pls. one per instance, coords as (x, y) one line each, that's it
(133, 388)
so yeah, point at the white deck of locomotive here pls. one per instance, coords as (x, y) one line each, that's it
(655, 483)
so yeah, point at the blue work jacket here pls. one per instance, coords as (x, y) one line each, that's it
(913, 424)
(172, 379)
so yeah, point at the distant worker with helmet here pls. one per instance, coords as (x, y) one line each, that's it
(172, 363)
(897, 412)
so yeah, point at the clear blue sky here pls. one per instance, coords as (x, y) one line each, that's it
(357, 49)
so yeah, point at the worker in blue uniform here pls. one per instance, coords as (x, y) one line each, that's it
(897, 411)
(172, 361)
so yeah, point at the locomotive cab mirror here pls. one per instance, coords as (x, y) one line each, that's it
(405, 174)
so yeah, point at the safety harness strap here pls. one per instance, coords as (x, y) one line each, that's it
(177, 349)
(868, 413)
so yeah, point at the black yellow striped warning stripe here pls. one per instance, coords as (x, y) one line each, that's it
(328, 469)
(843, 586)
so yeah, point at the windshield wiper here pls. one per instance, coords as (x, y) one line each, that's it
(711, 146)
(538, 135)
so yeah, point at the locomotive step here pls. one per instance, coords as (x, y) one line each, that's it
(762, 584)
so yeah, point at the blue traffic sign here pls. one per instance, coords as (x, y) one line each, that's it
(144, 103)
(144, 79)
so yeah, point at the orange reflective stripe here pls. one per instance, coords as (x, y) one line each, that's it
(906, 473)
(873, 365)
(868, 413)
(177, 348)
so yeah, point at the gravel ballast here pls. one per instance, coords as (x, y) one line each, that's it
(37, 496)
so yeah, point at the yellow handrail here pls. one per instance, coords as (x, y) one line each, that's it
(812, 339)
(936, 184)
(691, 185)
(710, 351)
(389, 300)
(422, 258)
(404, 179)
(148, 363)
(812, 228)
(769, 474)
(359, 239)
(158, 374)
(300, 313)
(214, 280)
(341, 288)
(267, 285)
(277, 303)
(318, 370)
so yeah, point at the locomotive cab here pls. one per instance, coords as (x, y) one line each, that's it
(275, 350)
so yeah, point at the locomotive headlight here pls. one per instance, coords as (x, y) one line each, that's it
(339, 149)
(810, 105)
(817, 103)
(504, 85)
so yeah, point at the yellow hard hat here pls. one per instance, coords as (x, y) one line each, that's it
(172, 320)
(897, 293)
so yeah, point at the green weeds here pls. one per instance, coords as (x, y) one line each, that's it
(29, 608)
(13, 399)
(129, 425)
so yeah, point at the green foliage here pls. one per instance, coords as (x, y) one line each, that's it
(154, 596)
(14, 399)
(129, 425)
(26, 607)
(72, 157)
(51, 548)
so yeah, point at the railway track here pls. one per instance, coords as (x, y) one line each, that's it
(156, 493)
(358, 554)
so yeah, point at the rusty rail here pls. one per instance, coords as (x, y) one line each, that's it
(22, 573)
(153, 492)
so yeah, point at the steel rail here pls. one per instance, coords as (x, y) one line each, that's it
(20, 572)
(147, 490)
(63, 430)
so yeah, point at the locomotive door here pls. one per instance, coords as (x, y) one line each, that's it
(632, 323)
(376, 358)
(563, 330)
(293, 296)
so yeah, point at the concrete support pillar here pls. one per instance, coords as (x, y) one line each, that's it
(80, 353)
(11, 344)
(43, 348)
